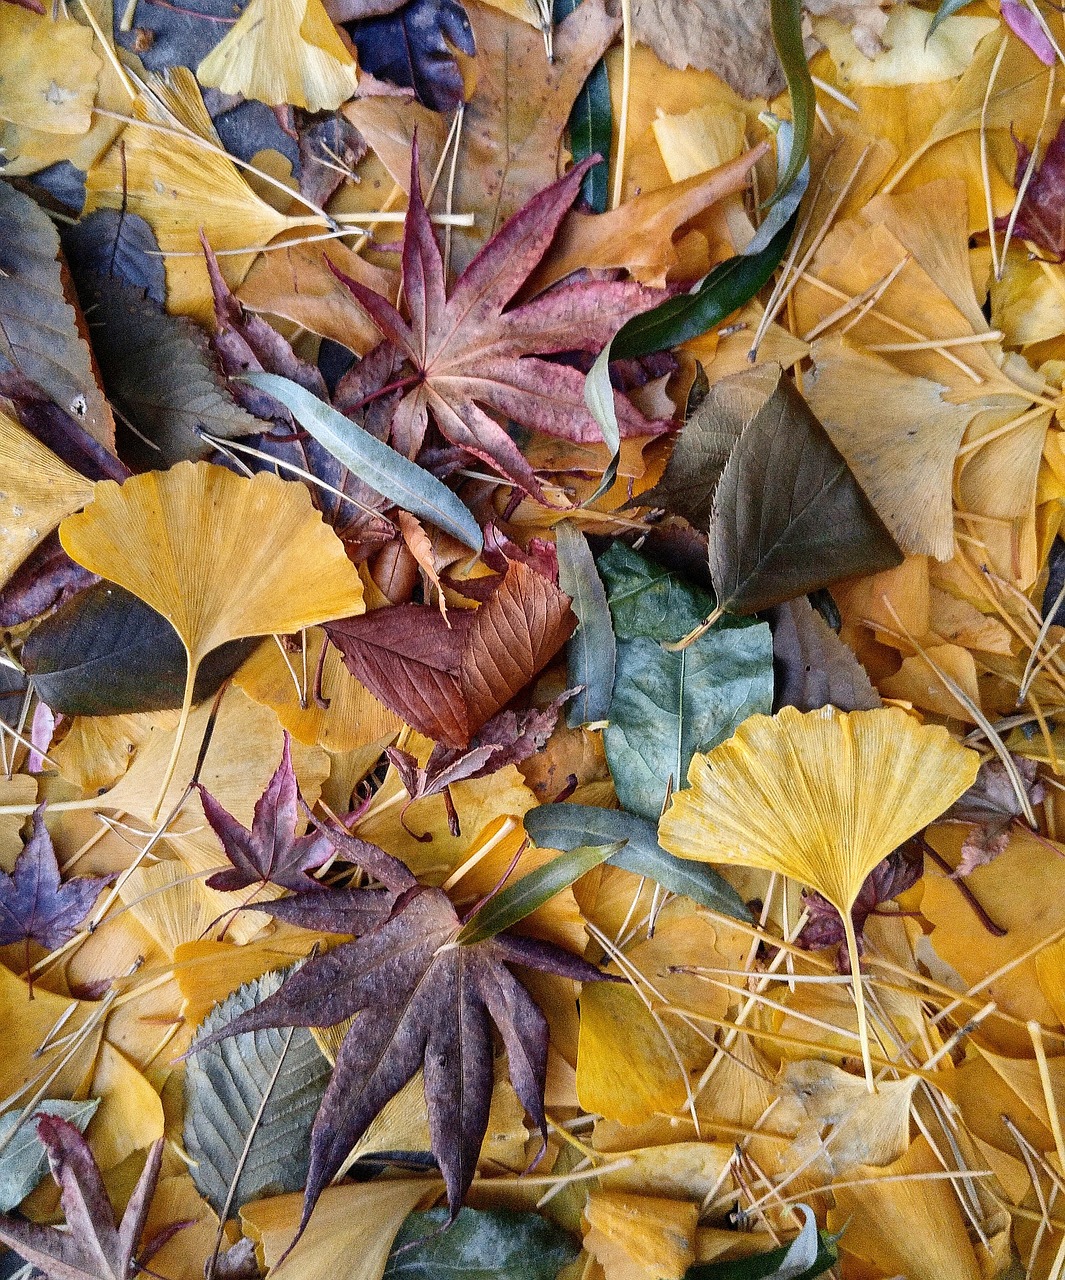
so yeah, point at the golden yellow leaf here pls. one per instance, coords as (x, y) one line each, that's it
(97, 750)
(822, 797)
(694, 141)
(218, 555)
(130, 1115)
(283, 51)
(680, 1170)
(50, 73)
(208, 971)
(172, 170)
(37, 490)
(636, 1237)
(19, 791)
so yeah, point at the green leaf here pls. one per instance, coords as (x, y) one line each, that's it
(224, 1090)
(647, 599)
(533, 890)
(809, 1255)
(728, 287)
(788, 514)
(24, 1160)
(105, 653)
(947, 9)
(590, 651)
(599, 397)
(566, 826)
(590, 123)
(481, 1244)
(380, 466)
(786, 17)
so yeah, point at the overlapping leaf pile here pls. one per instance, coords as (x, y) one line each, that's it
(532, 696)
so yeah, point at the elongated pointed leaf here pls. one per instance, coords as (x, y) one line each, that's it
(567, 826)
(393, 476)
(786, 17)
(481, 1244)
(947, 9)
(591, 651)
(533, 890)
(788, 515)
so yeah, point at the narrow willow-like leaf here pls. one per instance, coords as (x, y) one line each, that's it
(947, 9)
(568, 826)
(533, 890)
(393, 476)
(599, 397)
(786, 18)
(590, 124)
(591, 651)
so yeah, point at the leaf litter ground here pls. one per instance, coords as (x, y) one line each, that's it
(532, 696)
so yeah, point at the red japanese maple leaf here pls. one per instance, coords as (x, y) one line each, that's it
(470, 354)
(1041, 217)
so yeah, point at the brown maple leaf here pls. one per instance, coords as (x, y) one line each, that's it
(470, 354)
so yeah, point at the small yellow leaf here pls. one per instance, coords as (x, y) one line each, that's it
(49, 76)
(636, 1237)
(283, 51)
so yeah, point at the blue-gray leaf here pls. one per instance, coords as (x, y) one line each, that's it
(24, 1161)
(591, 651)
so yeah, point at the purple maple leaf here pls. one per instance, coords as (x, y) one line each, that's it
(1041, 217)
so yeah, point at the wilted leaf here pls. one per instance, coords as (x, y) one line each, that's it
(24, 1160)
(38, 327)
(224, 1088)
(814, 667)
(567, 826)
(481, 1244)
(283, 51)
(992, 806)
(448, 681)
(414, 47)
(107, 653)
(95, 1246)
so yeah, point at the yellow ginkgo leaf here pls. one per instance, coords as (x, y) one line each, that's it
(635, 1237)
(49, 75)
(218, 555)
(821, 796)
(283, 51)
(37, 490)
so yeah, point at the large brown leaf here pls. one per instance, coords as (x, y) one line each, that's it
(448, 681)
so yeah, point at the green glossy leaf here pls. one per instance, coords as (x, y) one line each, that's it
(481, 1244)
(224, 1089)
(532, 891)
(668, 705)
(24, 1161)
(380, 466)
(947, 9)
(566, 826)
(786, 16)
(809, 1255)
(107, 653)
(590, 123)
(590, 651)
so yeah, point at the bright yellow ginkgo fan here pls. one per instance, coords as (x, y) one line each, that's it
(220, 556)
(821, 796)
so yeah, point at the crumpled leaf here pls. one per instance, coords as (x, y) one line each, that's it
(24, 1160)
(814, 667)
(38, 327)
(107, 653)
(34, 904)
(447, 681)
(480, 1244)
(1041, 218)
(225, 1086)
(95, 1246)
(414, 46)
(270, 852)
(283, 52)
(420, 1002)
(469, 354)
(992, 806)
(731, 39)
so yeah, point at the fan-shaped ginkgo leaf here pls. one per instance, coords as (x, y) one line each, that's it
(37, 490)
(820, 796)
(283, 51)
(218, 555)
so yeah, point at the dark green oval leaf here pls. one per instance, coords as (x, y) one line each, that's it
(590, 651)
(107, 653)
(809, 1255)
(567, 826)
(532, 891)
(380, 466)
(481, 1244)
(590, 123)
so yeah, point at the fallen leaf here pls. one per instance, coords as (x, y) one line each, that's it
(992, 807)
(1039, 217)
(51, 72)
(732, 40)
(283, 51)
(642, 1237)
(25, 1158)
(413, 47)
(814, 667)
(480, 1244)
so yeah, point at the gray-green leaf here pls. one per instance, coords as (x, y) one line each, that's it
(491, 1244)
(568, 826)
(590, 651)
(224, 1089)
(380, 466)
(24, 1161)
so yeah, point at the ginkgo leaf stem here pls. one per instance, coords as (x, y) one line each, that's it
(859, 996)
